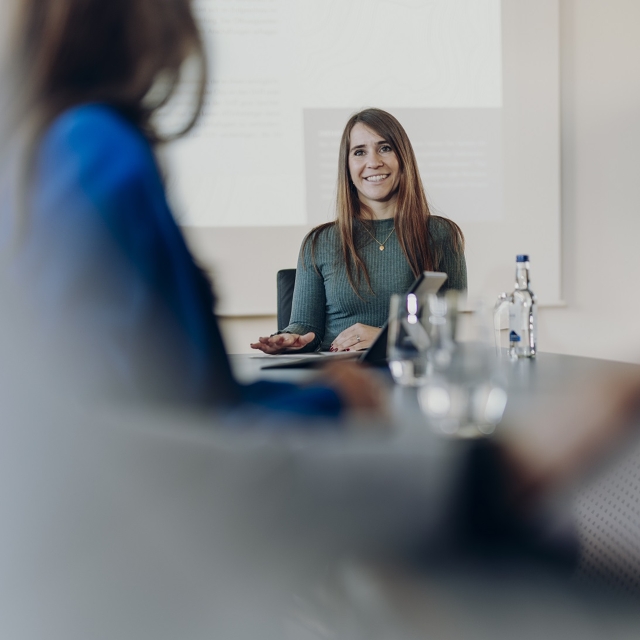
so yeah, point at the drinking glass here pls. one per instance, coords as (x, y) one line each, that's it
(440, 319)
(464, 394)
(408, 339)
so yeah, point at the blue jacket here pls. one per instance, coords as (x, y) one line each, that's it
(109, 277)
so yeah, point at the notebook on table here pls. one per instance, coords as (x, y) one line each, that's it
(376, 354)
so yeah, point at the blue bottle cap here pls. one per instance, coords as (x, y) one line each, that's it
(522, 258)
(514, 337)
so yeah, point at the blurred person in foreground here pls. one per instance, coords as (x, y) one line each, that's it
(87, 236)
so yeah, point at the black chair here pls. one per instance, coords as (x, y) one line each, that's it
(285, 282)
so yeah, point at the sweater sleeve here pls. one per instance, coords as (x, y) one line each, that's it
(451, 259)
(308, 310)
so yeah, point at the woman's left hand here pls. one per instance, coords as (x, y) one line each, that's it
(357, 337)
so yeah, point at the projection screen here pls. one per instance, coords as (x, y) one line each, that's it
(474, 82)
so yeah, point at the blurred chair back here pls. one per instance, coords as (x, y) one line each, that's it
(286, 280)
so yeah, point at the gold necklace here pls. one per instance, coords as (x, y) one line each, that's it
(381, 247)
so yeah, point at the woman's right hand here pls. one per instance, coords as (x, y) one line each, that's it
(282, 342)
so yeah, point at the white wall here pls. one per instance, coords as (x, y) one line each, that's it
(600, 47)
(239, 332)
(600, 92)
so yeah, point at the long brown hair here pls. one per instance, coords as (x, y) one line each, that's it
(412, 210)
(128, 54)
(71, 52)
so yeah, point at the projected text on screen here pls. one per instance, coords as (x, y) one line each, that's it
(285, 76)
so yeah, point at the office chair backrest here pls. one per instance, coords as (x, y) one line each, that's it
(285, 282)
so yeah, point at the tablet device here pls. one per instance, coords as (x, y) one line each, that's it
(376, 354)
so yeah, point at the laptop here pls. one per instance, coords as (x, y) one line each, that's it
(376, 354)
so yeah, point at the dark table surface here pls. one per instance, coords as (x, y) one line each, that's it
(531, 383)
(602, 600)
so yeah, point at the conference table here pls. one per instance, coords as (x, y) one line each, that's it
(531, 383)
(543, 374)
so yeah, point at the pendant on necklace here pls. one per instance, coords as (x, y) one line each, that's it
(381, 247)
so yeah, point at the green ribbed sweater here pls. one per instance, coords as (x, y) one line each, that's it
(325, 303)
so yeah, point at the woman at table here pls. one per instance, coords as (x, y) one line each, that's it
(384, 236)
(86, 232)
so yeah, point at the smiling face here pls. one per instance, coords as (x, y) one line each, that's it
(374, 168)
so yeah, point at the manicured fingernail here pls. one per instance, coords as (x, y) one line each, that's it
(347, 349)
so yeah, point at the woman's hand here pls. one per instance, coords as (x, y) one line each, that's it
(357, 337)
(283, 342)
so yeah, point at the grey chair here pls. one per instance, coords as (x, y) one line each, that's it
(285, 282)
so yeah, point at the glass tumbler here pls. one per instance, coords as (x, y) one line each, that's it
(408, 340)
(467, 397)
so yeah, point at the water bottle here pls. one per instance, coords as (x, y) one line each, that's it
(523, 313)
